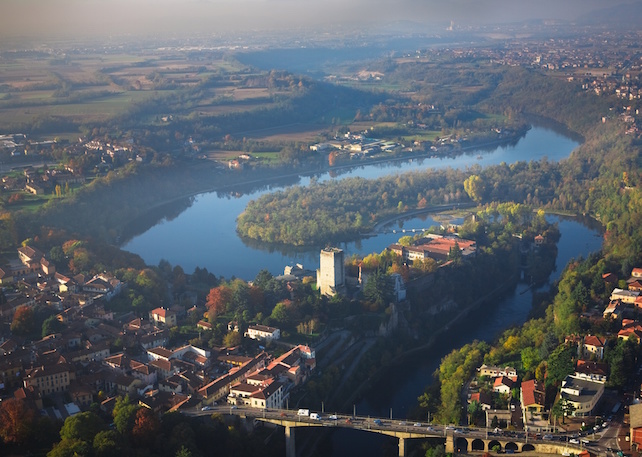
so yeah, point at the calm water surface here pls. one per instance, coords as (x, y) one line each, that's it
(204, 234)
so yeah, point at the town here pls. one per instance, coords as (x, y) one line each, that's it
(91, 334)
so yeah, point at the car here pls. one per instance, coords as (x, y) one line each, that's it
(348, 421)
(332, 417)
(430, 429)
(403, 423)
(417, 424)
(283, 414)
(206, 408)
(574, 441)
(547, 437)
(377, 422)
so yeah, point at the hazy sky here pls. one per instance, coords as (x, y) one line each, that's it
(100, 17)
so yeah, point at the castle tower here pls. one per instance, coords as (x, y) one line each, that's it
(331, 276)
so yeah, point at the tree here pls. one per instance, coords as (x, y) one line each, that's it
(146, 427)
(24, 321)
(70, 448)
(16, 421)
(474, 410)
(530, 358)
(474, 187)
(107, 444)
(82, 426)
(124, 415)
(217, 301)
(560, 365)
(280, 314)
(378, 289)
(51, 325)
(232, 339)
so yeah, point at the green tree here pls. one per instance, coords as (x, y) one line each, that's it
(51, 325)
(232, 339)
(82, 426)
(378, 289)
(560, 365)
(530, 358)
(70, 448)
(280, 314)
(124, 415)
(107, 444)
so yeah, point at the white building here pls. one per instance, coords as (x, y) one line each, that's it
(263, 332)
(583, 394)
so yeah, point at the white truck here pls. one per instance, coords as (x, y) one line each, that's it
(303, 412)
(315, 416)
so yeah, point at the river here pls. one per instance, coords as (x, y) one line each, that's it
(204, 234)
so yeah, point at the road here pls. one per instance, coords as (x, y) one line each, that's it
(598, 445)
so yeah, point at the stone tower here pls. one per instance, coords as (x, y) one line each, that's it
(331, 276)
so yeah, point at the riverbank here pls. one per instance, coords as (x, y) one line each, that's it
(246, 181)
(403, 357)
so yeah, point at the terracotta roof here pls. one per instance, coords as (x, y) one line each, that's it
(532, 393)
(593, 340)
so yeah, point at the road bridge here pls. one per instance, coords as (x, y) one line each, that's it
(455, 439)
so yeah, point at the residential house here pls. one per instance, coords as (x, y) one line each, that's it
(582, 394)
(163, 316)
(635, 285)
(220, 387)
(630, 329)
(483, 398)
(493, 371)
(50, 378)
(270, 397)
(532, 396)
(593, 346)
(614, 310)
(503, 385)
(593, 371)
(263, 332)
(626, 296)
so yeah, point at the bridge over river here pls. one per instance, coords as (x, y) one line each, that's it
(455, 439)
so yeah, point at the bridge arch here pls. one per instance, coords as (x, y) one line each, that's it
(528, 447)
(478, 445)
(510, 446)
(461, 444)
(493, 444)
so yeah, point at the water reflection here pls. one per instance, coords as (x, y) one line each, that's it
(202, 231)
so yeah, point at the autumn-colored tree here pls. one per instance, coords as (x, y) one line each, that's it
(332, 158)
(24, 321)
(232, 339)
(146, 428)
(217, 300)
(16, 421)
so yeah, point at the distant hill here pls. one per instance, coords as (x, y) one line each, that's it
(622, 14)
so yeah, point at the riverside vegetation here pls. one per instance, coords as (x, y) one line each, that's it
(600, 179)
